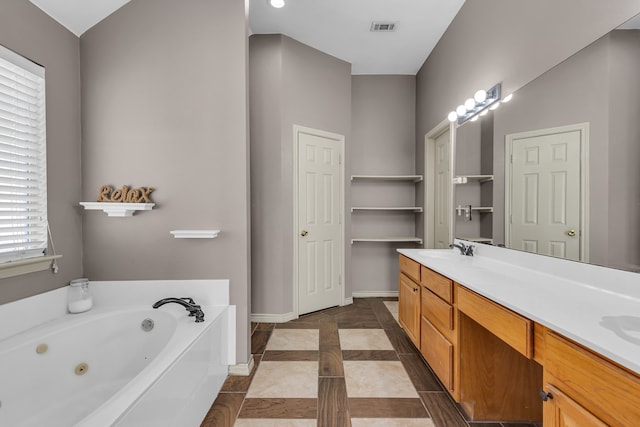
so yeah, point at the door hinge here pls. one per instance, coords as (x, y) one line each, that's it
(339, 279)
(339, 159)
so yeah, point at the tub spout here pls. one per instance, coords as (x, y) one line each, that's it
(194, 309)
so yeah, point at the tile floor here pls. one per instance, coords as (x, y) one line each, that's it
(346, 366)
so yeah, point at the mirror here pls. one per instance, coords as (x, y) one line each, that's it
(561, 161)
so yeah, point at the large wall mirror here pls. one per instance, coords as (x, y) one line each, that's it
(556, 171)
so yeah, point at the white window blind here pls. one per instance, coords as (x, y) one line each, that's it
(23, 173)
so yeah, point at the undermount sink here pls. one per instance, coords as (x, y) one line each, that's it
(626, 327)
(440, 253)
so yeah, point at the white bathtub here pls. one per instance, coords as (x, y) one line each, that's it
(101, 368)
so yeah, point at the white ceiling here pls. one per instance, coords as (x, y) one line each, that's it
(341, 28)
(79, 15)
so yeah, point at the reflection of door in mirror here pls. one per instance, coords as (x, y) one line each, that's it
(438, 187)
(545, 195)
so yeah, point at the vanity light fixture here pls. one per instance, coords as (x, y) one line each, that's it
(472, 107)
(276, 3)
(507, 98)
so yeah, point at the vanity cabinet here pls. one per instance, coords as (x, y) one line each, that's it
(438, 322)
(501, 366)
(474, 365)
(584, 389)
(409, 298)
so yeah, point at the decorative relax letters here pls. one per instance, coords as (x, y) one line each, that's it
(125, 194)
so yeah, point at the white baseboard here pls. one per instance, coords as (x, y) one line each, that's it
(272, 318)
(243, 369)
(347, 301)
(375, 294)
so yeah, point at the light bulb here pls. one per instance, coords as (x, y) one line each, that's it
(474, 118)
(453, 116)
(480, 96)
(507, 98)
(469, 104)
(276, 3)
(484, 112)
(494, 106)
(461, 110)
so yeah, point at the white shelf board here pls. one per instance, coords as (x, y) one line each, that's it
(118, 209)
(390, 209)
(412, 178)
(465, 179)
(389, 240)
(482, 208)
(195, 234)
(478, 239)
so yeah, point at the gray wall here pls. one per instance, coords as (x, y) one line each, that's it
(164, 93)
(522, 40)
(383, 131)
(28, 31)
(290, 83)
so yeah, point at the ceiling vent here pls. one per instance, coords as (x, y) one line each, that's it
(383, 27)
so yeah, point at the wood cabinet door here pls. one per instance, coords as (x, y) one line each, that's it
(562, 411)
(409, 308)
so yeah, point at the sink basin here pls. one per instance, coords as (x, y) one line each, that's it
(440, 253)
(626, 327)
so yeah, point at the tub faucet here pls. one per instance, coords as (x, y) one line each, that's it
(464, 249)
(188, 303)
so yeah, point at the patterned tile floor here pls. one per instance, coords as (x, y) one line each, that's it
(346, 366)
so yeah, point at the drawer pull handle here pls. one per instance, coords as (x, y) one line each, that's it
(545, 396)
(415, 289)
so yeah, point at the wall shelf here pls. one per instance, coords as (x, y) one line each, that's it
(389, 240)
(195, 234)
(482, 209)
(384, 226)
(466, 179)
(412, 178)
(118, 209)
(415, 209)
(478, 239)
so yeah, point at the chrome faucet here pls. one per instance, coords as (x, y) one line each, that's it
(188, 303)
(464, 249)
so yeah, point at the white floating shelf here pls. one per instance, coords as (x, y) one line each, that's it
(412, 178)
(390, 209)
(464, 179)
(390, 240)
(478, 239)
(482, 208)
(195, 234)
(118, 209)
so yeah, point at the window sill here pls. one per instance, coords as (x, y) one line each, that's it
(25, 266)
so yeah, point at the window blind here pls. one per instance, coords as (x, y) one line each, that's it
(23, 174)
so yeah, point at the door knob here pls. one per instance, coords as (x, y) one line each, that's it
(304, 233)
(571, 233)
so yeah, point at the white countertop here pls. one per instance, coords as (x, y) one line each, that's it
(595, 306)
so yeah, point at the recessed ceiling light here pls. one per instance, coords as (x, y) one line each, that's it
(276, 3)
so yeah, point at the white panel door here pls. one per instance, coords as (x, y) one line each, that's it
(545, 194)
(320, 234)
(442, 192)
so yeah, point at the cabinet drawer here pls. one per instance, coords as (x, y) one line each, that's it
(510, 327)
(438, 284)
(410, 268)
(437, 311)
(438, 352)
(606, 390)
